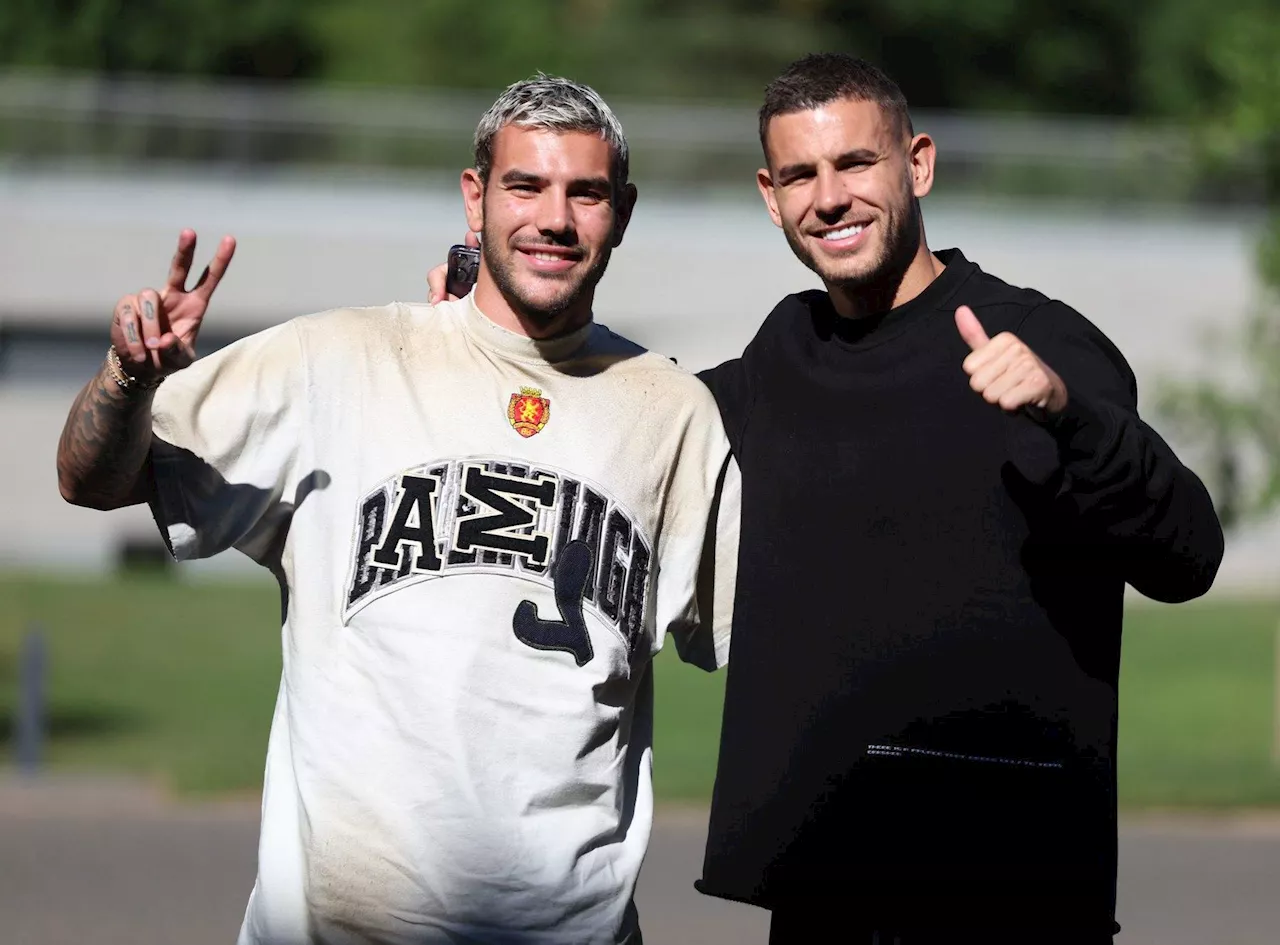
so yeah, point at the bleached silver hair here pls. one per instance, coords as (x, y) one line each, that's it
(553, 104)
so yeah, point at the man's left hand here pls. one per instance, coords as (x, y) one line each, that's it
(438, 278)
(1006, 372)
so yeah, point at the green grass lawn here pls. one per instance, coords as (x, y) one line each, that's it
(1197, 706)
(176, 680)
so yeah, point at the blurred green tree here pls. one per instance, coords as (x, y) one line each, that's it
(1071, 56)
(631, 48)
(1146, 57)
(1236, 419)
(259, 38)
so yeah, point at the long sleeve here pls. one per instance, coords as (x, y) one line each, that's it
(1123, 482)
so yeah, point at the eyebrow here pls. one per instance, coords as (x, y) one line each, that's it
(583, 183)
(522, 177)
(592, 183)
(857, 155)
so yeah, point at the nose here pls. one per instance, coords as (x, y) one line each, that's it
(831, 200)
(555, 215)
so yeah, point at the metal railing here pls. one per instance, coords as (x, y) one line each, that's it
(240, 123)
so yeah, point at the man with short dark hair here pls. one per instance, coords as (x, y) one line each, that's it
(946, 486)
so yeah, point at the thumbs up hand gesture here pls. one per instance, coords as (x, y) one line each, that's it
(1006, 372)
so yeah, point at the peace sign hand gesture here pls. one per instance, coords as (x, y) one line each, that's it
(155, 332)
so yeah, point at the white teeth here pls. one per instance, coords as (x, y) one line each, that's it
(844, 234)
(547, 257)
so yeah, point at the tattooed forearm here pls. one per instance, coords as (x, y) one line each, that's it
(102, 455)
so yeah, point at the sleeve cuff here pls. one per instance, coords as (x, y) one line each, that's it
(1082, 428)
(169, 509)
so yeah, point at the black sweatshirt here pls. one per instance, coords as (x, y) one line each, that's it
(920, 712)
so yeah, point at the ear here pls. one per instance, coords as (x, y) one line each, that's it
(921, 157)
(765, 182)
(622, 213)
(473, 199)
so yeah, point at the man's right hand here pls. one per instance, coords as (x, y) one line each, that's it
(438, 277)
(155, 332)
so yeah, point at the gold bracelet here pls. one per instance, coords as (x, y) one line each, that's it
(124, 380)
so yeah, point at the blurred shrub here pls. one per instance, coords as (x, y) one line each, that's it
(1234, 413)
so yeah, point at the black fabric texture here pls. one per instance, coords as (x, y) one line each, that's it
(920, 714)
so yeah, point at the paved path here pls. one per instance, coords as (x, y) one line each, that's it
(117, 865)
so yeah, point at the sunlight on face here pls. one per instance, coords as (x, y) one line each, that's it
(550, 217)
(839, 183)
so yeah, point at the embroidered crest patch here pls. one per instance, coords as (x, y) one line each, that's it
(528, 411)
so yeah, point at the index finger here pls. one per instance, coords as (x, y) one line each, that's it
(472, 239)
(180, 268)
(216, 269)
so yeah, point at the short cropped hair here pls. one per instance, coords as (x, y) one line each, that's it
(552, 103)
(821, 78)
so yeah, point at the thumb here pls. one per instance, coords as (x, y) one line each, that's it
(970, 328)
(471, 239)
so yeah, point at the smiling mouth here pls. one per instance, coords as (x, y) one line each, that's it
(843, 233)
(549, 255)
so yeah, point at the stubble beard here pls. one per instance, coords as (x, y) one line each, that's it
(500, 260)
(880, 279)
